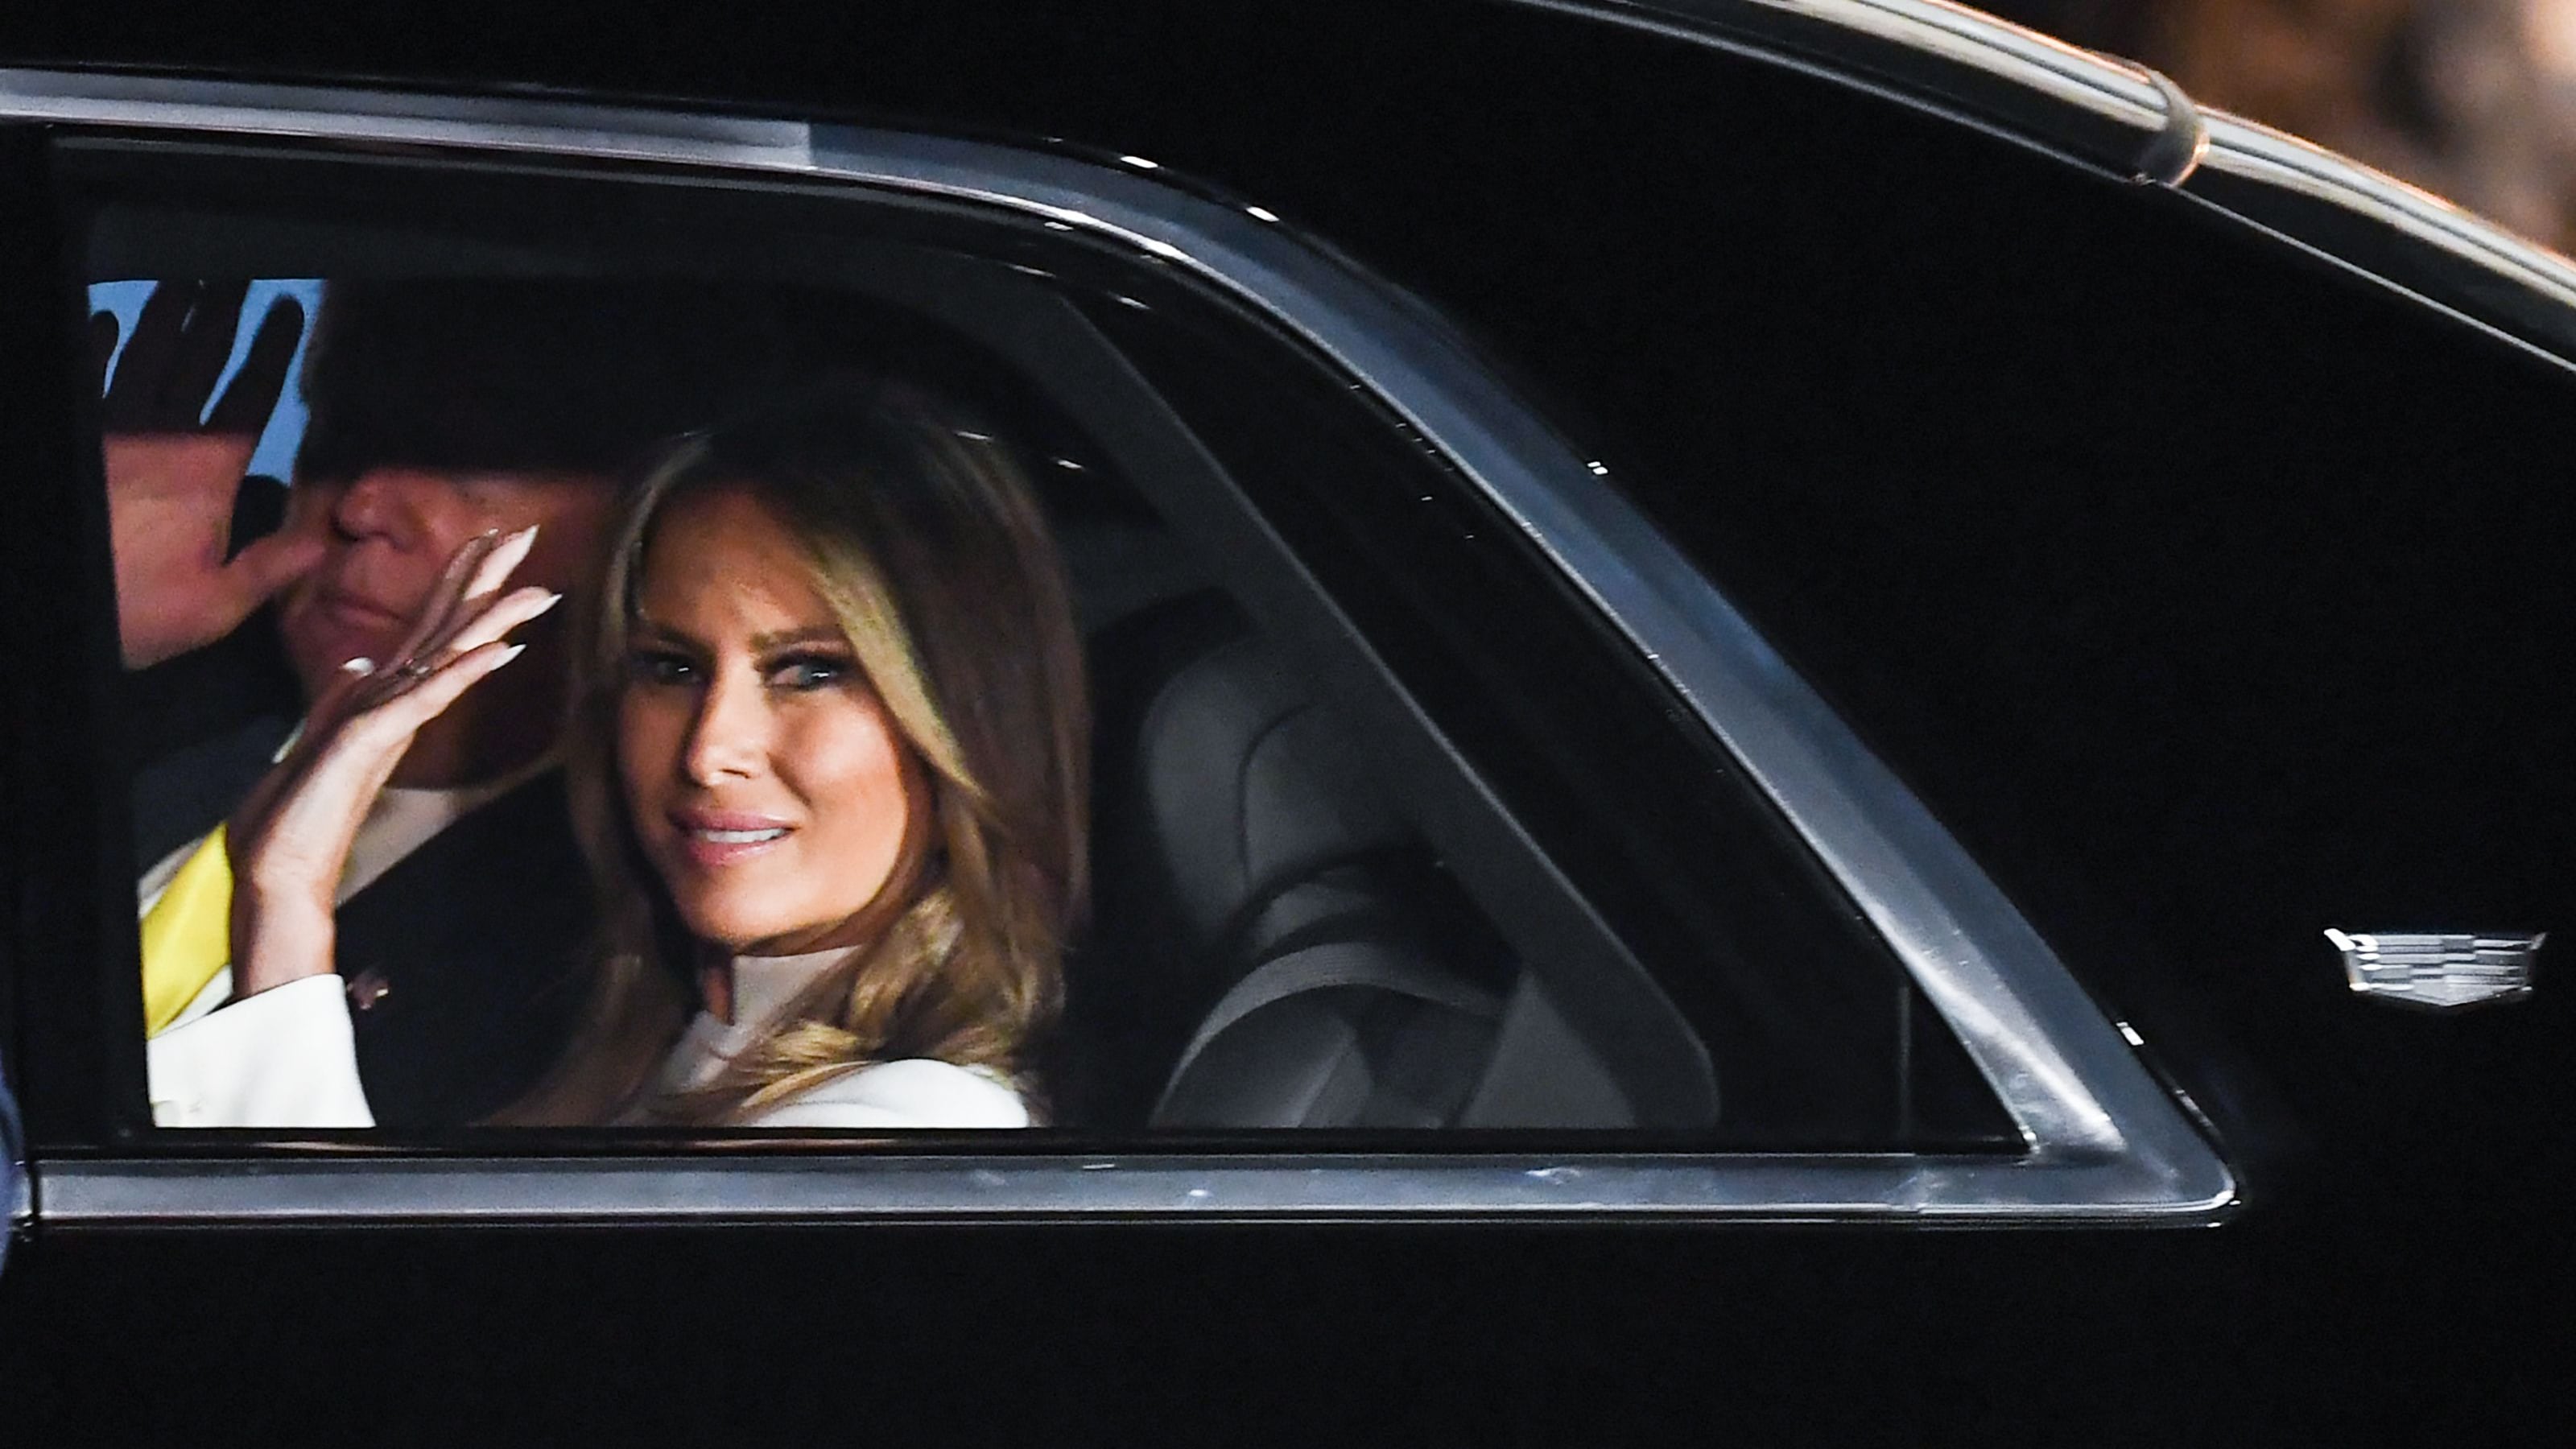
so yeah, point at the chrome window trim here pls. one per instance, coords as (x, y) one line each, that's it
(2105, 1142)
(395, 118)
(1853, 1188)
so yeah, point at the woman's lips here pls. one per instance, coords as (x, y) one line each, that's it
(711, 838)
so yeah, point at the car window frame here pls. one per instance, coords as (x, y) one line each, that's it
(2105, 1142)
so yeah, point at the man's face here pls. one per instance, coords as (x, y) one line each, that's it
(389, 534)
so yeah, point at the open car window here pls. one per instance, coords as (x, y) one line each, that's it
(1407, 829)
(1283, 686)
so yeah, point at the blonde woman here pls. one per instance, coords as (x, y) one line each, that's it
(828, 764)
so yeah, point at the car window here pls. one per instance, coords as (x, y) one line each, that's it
(1365, 889)
(1353, 866)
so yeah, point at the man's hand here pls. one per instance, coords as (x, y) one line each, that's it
(174, 468)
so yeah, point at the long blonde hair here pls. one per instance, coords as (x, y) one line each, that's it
(930, 550)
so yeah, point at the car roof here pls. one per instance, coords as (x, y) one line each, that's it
(2102, 112)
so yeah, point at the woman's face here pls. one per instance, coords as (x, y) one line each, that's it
(764, 778)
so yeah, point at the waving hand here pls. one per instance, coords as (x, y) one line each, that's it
(291, 839)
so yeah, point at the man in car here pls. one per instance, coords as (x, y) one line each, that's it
(440, 410)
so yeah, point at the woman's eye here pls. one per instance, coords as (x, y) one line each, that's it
(809, 671)
(652, 667)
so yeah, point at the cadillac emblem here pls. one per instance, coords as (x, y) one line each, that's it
(2438, 972)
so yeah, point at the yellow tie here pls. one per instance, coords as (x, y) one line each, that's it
(187, 935)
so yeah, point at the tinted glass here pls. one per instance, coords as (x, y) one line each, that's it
(1817, 1035)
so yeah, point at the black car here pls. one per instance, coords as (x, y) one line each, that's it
(1907, 687)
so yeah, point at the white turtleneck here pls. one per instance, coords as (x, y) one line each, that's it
(912, 1093)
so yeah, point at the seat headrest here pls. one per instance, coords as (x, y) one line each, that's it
(1249, 788)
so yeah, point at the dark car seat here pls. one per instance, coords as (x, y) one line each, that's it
(1272, 945)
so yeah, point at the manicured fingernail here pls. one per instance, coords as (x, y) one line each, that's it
(551, 601)
(358, 666)
(513, 652)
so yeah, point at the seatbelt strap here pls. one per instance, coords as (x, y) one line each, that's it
(1323, 966)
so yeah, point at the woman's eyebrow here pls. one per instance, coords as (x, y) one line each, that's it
(809, 634)
(666, 634)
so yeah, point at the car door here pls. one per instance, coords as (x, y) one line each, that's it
(1815, 403)
(1696, 1012)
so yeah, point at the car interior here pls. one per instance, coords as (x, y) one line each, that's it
(1310, 910)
